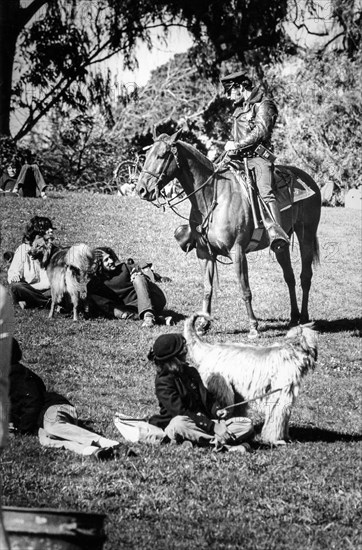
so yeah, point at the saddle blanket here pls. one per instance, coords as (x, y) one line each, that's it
(290, 188)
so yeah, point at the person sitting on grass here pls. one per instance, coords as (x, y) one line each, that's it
(189, 414)
(8, 179)
(29, 283)
(30, 181)
(33, 409)
(121, 290)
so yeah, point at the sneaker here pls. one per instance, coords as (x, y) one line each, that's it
(243, 448)
(161, 320)
(149, 320)
(122, 450)
(187, 445)
(101, 454)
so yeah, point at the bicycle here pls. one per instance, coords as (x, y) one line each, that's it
(127, 172)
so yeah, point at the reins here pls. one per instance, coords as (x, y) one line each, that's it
(202, 228)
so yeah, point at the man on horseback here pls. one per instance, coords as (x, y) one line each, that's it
(254, 118)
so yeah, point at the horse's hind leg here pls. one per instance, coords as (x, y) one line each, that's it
(283, 258)
(241, 267)
(308, 251)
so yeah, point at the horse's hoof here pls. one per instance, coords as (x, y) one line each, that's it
(254, 333)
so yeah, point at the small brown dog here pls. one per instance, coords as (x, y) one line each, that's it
(236, 373)
(68, 270)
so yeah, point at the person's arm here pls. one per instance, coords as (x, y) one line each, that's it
(16, 269)
(6, 329)
(264, 122)
(43, 283)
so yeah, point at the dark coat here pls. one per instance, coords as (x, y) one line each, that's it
(114, 290)
(254, 120)
(184, 394)
(27, 391)
(7, 183)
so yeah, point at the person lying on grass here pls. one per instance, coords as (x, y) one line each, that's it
(189, 414)
(33, 408)
(121, 290)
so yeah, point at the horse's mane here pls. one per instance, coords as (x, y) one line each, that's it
(199, 156)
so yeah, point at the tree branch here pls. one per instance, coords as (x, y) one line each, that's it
(28, 12)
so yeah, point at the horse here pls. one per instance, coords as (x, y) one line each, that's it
(221, 219)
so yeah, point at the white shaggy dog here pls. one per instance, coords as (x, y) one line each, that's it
(237, 372)
(68, 270)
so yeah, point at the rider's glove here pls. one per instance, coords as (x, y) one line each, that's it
(230, 146)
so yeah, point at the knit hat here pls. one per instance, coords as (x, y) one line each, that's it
(167, 346)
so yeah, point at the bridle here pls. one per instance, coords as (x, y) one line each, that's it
(173, 155)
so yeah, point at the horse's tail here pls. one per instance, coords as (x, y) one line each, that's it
(190, 332)
(316, 255)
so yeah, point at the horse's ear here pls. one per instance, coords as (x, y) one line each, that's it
(175, 136)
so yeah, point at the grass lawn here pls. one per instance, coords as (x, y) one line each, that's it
(304, 496)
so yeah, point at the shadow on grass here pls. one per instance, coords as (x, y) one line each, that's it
(321, 325)
(339, 325)
(312, 433)
(176, 316)
(317, 434)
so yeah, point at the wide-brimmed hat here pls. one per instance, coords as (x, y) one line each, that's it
(230, 80)
(167, 346)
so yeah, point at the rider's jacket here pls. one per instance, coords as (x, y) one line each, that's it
(254, 120)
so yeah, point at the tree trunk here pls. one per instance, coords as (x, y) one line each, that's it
(9, 31)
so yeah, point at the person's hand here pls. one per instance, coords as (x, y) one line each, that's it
(221, 413)
(123, 314)
(230, 146)
(135, 272)
(15, 279)
(221, 431)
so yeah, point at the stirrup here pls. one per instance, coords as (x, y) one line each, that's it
(278, 239)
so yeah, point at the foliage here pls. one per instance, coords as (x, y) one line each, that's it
(319, 101)
(79, 150)
(58, 48)
(306, 495)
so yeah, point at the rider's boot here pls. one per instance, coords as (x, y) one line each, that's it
(278, 238)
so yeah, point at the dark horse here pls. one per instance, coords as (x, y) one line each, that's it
(221, 219)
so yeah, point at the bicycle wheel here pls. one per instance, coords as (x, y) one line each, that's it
(126, 172)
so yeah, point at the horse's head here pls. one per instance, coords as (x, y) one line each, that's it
(160, 167)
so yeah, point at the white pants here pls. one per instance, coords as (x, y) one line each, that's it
(183, 428)
(61, 431)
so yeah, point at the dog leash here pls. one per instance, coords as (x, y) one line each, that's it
(255, 398)
(130, 419)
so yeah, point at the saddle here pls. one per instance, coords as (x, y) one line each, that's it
(289, 189)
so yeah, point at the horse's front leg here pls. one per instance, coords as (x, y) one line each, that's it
(241, 267)
(208, 266)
